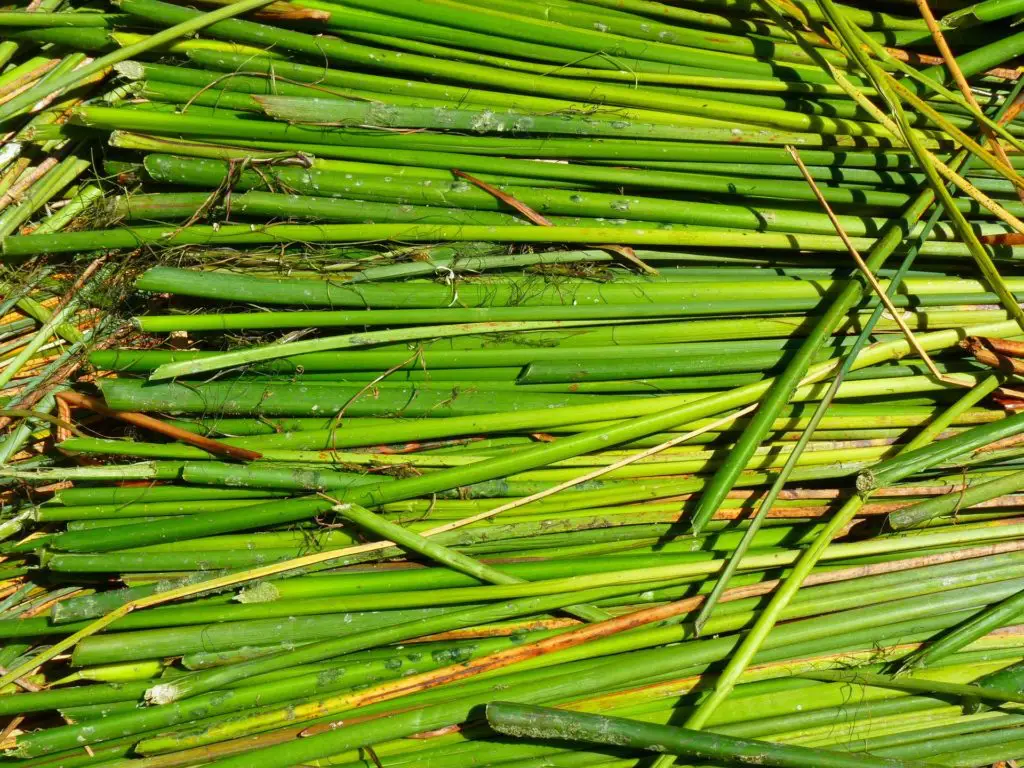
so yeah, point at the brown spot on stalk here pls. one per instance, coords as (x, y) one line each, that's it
(999, 445)
(1010, 238)
(54, 487)
(437, 732)
(937, 61)
(333, 725)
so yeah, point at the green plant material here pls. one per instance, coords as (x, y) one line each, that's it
(438, 553)
(376, 58)
(182, 29)
(927, 164)
(13, 366)
(989, 10)
(236, 287)
(43, 19)
(784, 385)
(112, 648)
(912, 684)
(56, 179)
(899, 467)
(805, 437)
(32, 308)
(971, 398)
(82, 201)
(951, 503)
(1009, 679)
(115, 673)
(21, 247)
(979, 626)
(328, 319)
(273, 184)
(526, 721)
(148, 510)
(13, 442)
(976, 61)
(523, 680)
(347, 341)
(584, 29)
(782, 388)
(952, 96)
(923, 438)
(538, 187)
(191, 526)
(892, 471)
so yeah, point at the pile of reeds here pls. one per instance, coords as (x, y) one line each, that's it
(371, 374)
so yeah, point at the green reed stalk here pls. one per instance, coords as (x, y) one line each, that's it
(926, 435)
(441, 554)
(967, 235)
(352, 53)
(950, 503)
(782, 388)
(184, 28)
(979, 626)
(526, 721)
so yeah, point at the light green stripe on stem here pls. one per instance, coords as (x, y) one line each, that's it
(347, 341)
(20, 247)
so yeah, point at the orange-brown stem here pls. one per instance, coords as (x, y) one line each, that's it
(79, 400)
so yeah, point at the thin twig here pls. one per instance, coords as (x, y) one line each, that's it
(622, 250)
(608, 468)
(942, 168)
(336, 421)
(869, 276)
